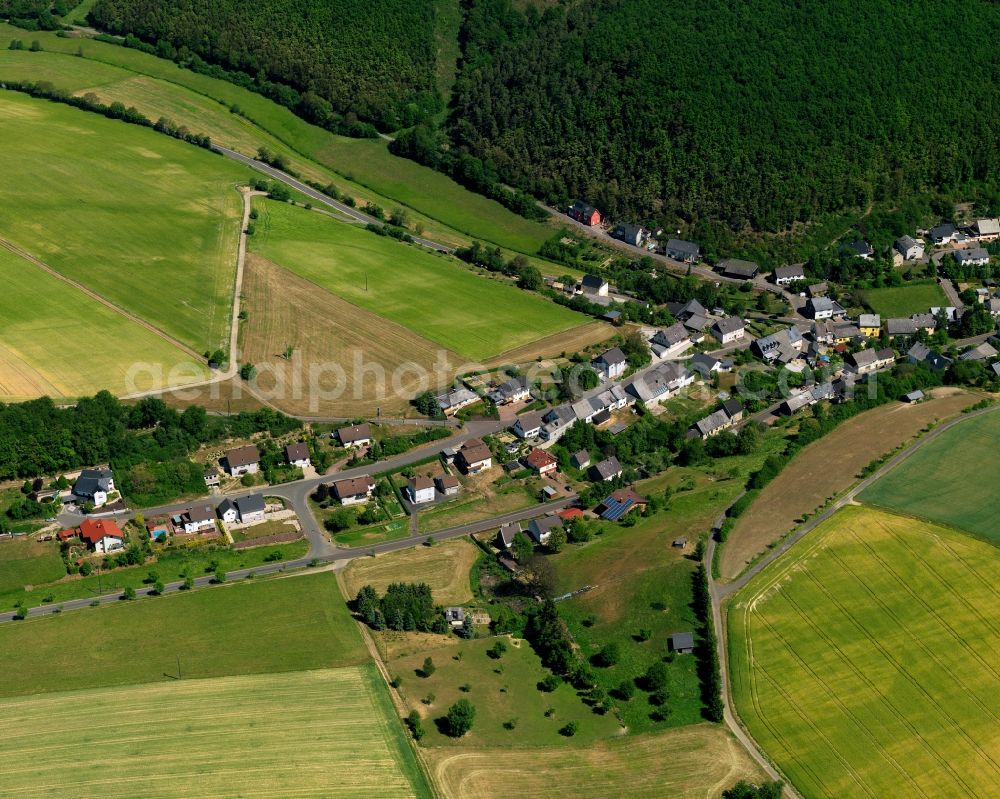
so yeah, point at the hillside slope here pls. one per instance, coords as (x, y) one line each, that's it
(375, 58)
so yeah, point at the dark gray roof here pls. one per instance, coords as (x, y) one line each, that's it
(612, 356)
(861, 247)
(738, 267)
(681, 641)
(593, 281)
(225, 505)
(251, 503)
(607, 468)
(732, 407)
(792, 272)
(729, 325)
(357, 432)
(942, 231)
(683, 247)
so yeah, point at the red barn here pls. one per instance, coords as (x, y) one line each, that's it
(584, 213)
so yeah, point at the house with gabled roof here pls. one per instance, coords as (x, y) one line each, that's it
(94, 485)
(529, 425)
(607, 470)
(243, 460)
(619, 504)
(687, 252)
(541, 461)
(784, 275)
(541, 529)
(357, 435)
(944, 233)
(420, 490)
(505, 535)
(729, 330)
(513, 390)
(671, 342)
(197, 518)
(739, 269)
(660, 383)
(986, 229)
(101, 535)
(861, 249)
(871, 360)
(972, 256)
(450, 402)
(783, 345)
(593, 284)
(586, 214)
(353, 491)
(611, 364)
(982, 352)
(474, 457)
(869, 324)
(900, 326)
(447, 484)
(909, 248)
(636, 235)
(297, 455)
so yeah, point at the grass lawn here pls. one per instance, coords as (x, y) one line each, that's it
(444, 567)
(905, 300)
(948, 479)
(171, 566)
(686, 763)
(262, 530)
(153, 229)
(442, 205)
(328, 733)
(48, 331)
(864, 660)
(374, 533)
(431, 295)
(284, 624)
(475, 508)
(501, 690)
(25, 561)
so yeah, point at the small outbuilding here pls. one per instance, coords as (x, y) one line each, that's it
(914, 396)
(682, 643)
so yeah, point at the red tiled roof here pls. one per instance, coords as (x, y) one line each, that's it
(63, 535)
(93, 530)
(539, 459)
(570, 513)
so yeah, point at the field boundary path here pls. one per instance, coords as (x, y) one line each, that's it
(720, 593)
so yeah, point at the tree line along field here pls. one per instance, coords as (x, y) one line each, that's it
(428, 294)
(828, 466)
(50, 328)
(153, 229)
(864, 660)
(949, 480)
(309, 733)
(363, 168)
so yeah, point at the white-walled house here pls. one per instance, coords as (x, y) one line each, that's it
(421, 490)
(243, 460)
(729, 330)
(94, 486)
(298, 455)
(198, 518)
(610, 364)
(354, 491)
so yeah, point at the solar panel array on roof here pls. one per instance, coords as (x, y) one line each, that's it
(614, 509)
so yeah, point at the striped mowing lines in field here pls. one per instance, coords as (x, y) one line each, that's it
(865, 661)
(301, 734)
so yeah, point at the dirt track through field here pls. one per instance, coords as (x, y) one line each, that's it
(827, 467)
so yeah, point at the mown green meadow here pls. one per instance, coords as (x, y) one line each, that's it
(366, 163)
(948, 479)
(153, 228)
(326, 733)
(251, 627)
(905, 300)
(432, 295)
(56, 340)
(864, 660)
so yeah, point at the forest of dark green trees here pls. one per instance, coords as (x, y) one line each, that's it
(754, 114)
(716, 117)
(372, 58)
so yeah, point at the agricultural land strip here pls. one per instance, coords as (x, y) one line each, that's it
(864, 661)
(444, 567)
(828, 466)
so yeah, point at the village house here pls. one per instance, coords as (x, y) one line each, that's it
(557, 421)
(607, 470)
(784, 275)
(594, 285)
(809, 396)
(447, 484)
(823, 308)
(783, 346)
(101, 535)
(671, 342)
(513, 390)
(921, 353)
(983, 352)
(630, 234)
(985, 229)
(585, 214)
(686, 252)
(353, 491)
(357, 435)
(900, 327)
(696, 326)
(450, 402)
(974, 256)
(297, 455)
(245, 510)
(212, 477)
(619, 504)
(866, 361)
(420, 490)
(505, 535)
(541, 529)
(739, 269)
(861, 249)
(943, 234)
(243, 460)
(689, 309)
(913, 396)
(94, 486)
(924, 321)
(584, 410)
(725, 417)
(817, 289)
(529, 425)
(610, 364)
(909, 248)
(197, 519)
(706, 365)
(541, 461)
(869, 324)
(580, 460)
(474, 457)
(612, 399)
(729, 330)
(660, 383)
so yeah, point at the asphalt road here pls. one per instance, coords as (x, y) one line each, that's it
(318, 196)
(720, 593)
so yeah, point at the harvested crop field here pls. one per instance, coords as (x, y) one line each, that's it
(323, 733)
(444, 567)
(358, 357)
(568, 341)
(690, 763)
(864, 660)
(827, 467)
